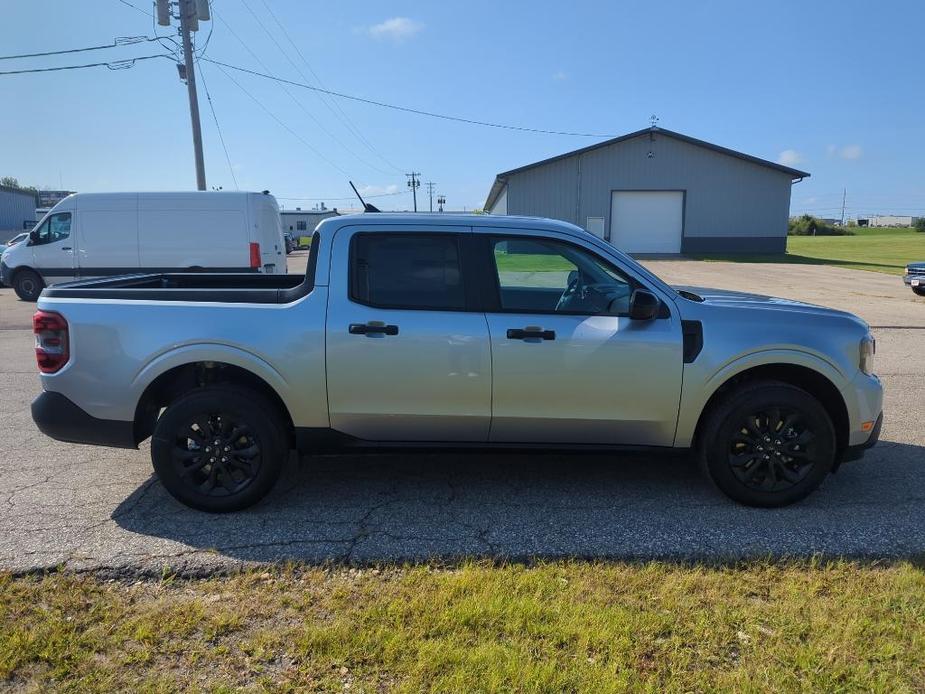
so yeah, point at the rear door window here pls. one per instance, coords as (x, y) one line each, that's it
(407, 271)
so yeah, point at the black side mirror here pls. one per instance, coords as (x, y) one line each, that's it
(644, 305)
(33, 236)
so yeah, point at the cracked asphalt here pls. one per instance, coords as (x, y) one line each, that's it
(89, 508)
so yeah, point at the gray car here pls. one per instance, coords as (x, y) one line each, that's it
(915, 277)
(453, 331)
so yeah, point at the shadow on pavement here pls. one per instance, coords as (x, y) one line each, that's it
(445, 507)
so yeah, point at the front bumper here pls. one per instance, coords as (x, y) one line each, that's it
(6, 275)
(907, 278)
(56, 416)
(857, 452)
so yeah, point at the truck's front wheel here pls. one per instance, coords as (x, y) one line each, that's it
(219, 448)
(767, 444)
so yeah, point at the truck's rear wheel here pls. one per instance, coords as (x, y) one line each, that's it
(219, 448)
(768, 444)
(28, 284)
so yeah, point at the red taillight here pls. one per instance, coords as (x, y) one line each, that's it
(51, 344)
(255, 255)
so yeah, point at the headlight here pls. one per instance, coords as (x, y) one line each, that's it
(867, 351)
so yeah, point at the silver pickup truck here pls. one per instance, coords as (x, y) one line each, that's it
(445, 331)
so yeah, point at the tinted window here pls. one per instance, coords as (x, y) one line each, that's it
(300, 226)
(417, 271)
(542, 275)
(55, 228)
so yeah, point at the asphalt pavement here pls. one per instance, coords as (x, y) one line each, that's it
(89, 508)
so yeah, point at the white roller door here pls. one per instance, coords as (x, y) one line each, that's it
(647, 221)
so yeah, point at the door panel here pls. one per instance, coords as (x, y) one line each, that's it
(603, 379)
(405, 374)
(568, 364)
(53, 252)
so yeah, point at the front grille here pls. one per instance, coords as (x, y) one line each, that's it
(915, 271)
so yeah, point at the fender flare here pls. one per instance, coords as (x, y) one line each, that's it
(692, 410)
(211, 352)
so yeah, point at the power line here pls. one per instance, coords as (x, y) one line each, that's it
(136, 8)
(118, 41)
(112, 65)
(221, 137)
(406, 109)
(292, 96)
(332, 105)
(281, 123)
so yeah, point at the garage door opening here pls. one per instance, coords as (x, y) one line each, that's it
(647, 221)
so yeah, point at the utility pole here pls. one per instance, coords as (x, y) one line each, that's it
(414, 183)
(441, 200)
(191, 12)
(844, 196)
(430, 192)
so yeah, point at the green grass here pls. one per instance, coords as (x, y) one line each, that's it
(553, 627)
(879, 250)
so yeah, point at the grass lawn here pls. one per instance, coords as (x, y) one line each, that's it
(879, 249)
(565, 626)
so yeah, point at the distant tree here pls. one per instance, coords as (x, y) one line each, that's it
(807, 225)
(919, 224)
(9, 181)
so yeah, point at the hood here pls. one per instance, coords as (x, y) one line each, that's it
(917, 266)
(731, 299)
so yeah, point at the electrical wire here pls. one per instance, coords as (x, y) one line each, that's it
(118, 41)
(135, 7)
(297, 102)
(331, 105)
(407, 109)
(113, 65)
(221, 137)
(281, 123)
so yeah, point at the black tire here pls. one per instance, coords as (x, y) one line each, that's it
(919, 290)
(767, 444)
(28, 284)
(251, 448)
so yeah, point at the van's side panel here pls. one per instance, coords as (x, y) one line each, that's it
(193, 231)
(107, 234)
(269, 233)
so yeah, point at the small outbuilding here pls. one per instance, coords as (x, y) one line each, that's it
(657, 191)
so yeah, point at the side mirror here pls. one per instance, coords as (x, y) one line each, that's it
(33, 236)
(644, 305)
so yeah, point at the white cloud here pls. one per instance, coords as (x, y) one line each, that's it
(378, 190)
(789, 157)
(396, 29)
(831, 150)
(851, 152)
(560, 75)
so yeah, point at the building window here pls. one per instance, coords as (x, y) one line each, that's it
(300, 226)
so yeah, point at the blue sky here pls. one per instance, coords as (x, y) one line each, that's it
(833, 88)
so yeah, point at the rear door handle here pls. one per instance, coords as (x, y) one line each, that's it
(530, 332)
(65, 248)
(372, 328)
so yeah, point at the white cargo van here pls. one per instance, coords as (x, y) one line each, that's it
(102, 234)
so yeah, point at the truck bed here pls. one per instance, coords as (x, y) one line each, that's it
(244, 287)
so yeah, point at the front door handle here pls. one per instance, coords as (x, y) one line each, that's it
(65, 248)
(372, 328)
(530, 332)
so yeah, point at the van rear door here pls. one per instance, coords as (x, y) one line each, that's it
(268, 232)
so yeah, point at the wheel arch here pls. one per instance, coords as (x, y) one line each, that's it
(183, 378)
(806, 378)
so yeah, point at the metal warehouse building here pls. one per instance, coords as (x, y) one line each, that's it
(17, 206)
(657, 191)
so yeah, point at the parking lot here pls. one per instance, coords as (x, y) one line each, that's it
(95, 508)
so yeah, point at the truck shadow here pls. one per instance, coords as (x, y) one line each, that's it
(445, 507)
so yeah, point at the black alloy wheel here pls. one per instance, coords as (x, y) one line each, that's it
(773, 450)
(219, 448)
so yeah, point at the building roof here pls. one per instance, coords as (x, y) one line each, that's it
(501, 178)
(22, 191)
